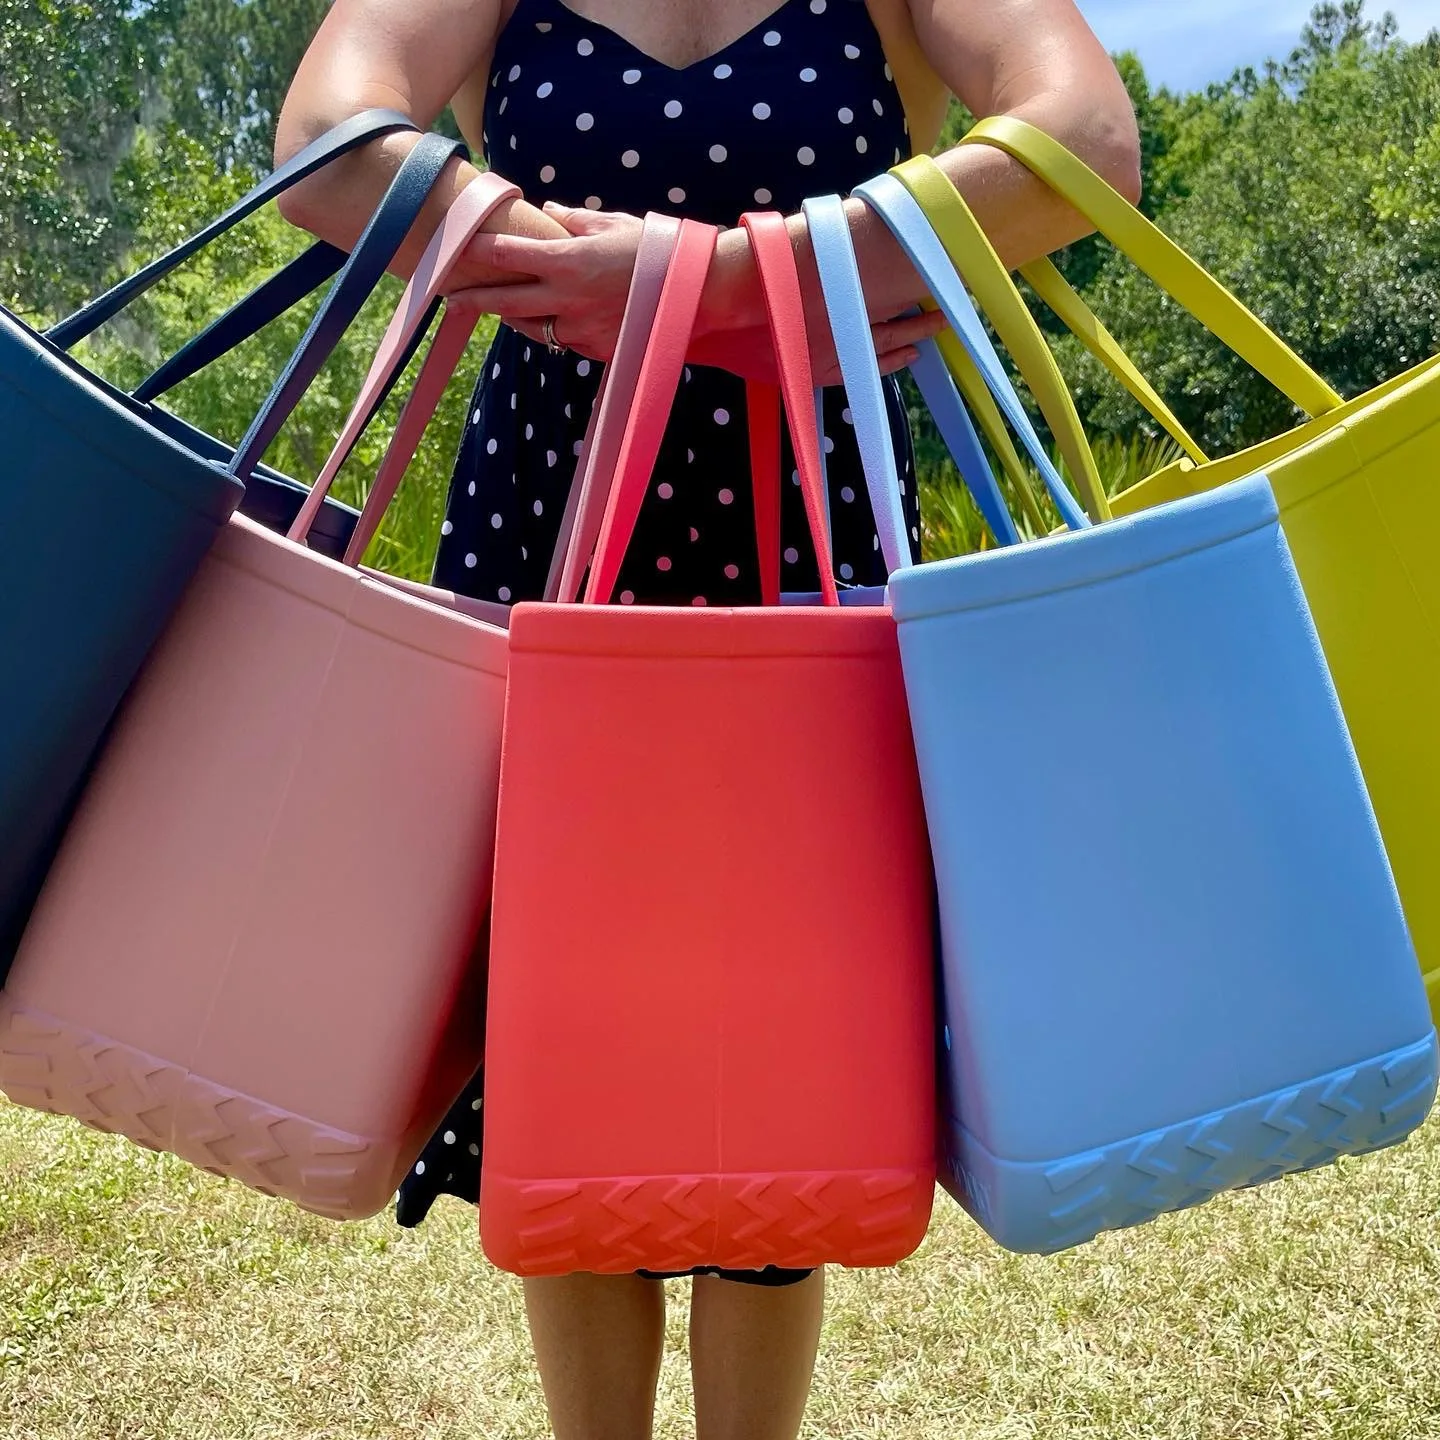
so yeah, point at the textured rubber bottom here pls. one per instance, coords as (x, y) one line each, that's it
(1045, 1206)
(59, 1068)
(677, 1222)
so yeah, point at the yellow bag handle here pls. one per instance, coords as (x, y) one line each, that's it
(980, 267)
(1052, 287)
(1186, 282)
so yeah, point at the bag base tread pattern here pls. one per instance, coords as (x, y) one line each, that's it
(50, 1065)
(618, 1224)
(1042, 1207)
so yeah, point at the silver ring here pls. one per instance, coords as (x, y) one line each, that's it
(548, 331)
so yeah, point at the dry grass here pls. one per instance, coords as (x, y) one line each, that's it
(141, 1299)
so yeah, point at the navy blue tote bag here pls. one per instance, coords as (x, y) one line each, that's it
(110, 505)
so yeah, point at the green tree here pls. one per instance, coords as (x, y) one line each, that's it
(1313, 193)
(73, 76)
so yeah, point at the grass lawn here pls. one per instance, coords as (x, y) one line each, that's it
(139, 1298)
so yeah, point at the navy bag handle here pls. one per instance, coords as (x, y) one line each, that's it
(376, 248)
(347, 136)
(251, 315)
(281, 292)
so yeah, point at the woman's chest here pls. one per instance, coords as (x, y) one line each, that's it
(800, 103)
(676, 33)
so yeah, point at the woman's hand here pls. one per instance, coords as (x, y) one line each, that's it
(581, 281)
(582, 284)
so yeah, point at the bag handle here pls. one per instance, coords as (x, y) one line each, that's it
(942, 398)
(600, 453)
(1159, 257)
(648, 415)
(281, 292)
(785, 310)
(469, 211)
(981, 404)
(377, 247)
(1052, 287)
(659, 377)
(347, 136)
(850, 328)
(911, 226)
(974, 257)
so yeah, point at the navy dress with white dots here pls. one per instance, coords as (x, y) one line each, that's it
(802, 104)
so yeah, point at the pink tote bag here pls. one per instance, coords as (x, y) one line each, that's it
(260, 946)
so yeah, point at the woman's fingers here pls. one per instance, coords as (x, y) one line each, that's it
(527, 301)
(907, 330)
(522, 253)
(580, 222)
(896, 360)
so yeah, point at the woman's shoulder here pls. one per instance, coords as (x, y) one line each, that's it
(925, 94)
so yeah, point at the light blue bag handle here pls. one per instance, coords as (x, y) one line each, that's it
(854, 345)
(952, 419)
(908, 223)
(850, 329)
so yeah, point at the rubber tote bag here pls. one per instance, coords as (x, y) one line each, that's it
(711, 933)
(255, 948)
(116, 516)
(270, 496)
(1174, 961)
(1349, 481)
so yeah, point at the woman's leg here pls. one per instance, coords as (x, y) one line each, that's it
(598, 1341)
(752, 1352)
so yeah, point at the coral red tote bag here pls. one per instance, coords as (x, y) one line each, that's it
(710, 1016)
(256, 948)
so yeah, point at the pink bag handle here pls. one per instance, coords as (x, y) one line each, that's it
(471, 208)
(660, 375)
(600, 452)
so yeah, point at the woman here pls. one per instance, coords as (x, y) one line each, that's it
(601, 110)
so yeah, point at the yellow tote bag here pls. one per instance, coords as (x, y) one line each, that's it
(1352, 481)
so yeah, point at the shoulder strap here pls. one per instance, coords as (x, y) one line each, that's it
(974, 257)
(911, 226)
(281, 292)
(412, 317)
(600, 453)
(377, 247)
(1187, 283)
(345, 137)
(855, 347)
(1052, 287)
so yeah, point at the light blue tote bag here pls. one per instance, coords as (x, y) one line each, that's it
(1173, 958)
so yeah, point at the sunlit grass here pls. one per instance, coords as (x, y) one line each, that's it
(140, 1298)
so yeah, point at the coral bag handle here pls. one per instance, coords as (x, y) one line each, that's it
(600, 452)
(660, 375)
(469, 211)
(1159, 257)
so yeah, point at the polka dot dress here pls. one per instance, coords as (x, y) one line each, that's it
(802, 104)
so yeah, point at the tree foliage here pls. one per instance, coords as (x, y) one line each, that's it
(1313, 193)
(1310, 187)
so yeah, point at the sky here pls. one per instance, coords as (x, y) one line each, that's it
(1187, 43)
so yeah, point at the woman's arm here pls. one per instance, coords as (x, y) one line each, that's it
(408, 55)
(1034, 59)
